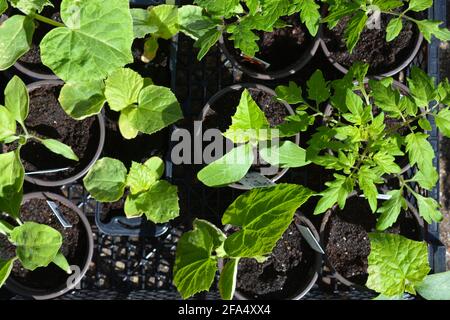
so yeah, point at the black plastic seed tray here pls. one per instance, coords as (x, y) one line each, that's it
(140, 267)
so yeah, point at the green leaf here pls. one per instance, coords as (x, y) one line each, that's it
(156, 164)
(263, 215)
(82, 100)
(244, 38)
(11, 183)
(62, 263)
(393, 271)
(151, 47)
(158, 108)
(393, 29)
(159, 203)
(425, 124)
(232, 167)
(294, 124)
(390, 210)
(337, 12)
(337, 192)
(419, 150)
(193, 22)
(431, 28)
(141, 24)
(367, 178)
(273, 10)
(285, 154)
(59, 148)
(354, 29)
(386, 98)
(30, 6)
(161, 21)
(5, 270)
(388, 4)
(291, 94)
(5, 227)
(386, 162)
(126, 127)
(3, 8)
(355, 105)
(419, 5)
(17, 100)
(96, 41)
(427, 179)
(435, 286)
(247, 121)
(7, 124)
(206, 42)
(253, 5)
(16, 34)
(122, 88)
(428, 209)
(140, 178)
(36, 244)
(228, 277)
(195, 266)
(106, 180)
(310, 15)
(422, 87)
(318, 89)
(443, 121)
(220, 8)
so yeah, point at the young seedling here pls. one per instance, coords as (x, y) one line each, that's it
(206, 22)
(157, 199)
(250, 129)
(74, 50)
(360, 12)
(398, 265)
(357, 144)
(12, 172)
(261, 216)
(37, 245)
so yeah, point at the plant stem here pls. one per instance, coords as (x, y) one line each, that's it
(48, 21)
(400, 15)
(18, 221)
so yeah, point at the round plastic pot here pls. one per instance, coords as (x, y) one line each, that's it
(101, 143)
(21, 289)
(238, 87)
(34, 74)
(406, 62)
(323, 239)
(304, 58)
(305, 281)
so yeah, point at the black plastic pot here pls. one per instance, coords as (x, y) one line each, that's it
(304, 281)
(239, 87)
(40, 294)
(101, 122)
(324, 237)
(304, 58)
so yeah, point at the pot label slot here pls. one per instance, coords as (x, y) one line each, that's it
(47, 171)
(256, 180)
(66, 224)
(309, 237)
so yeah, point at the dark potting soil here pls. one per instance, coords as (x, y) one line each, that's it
(47, 119)
(372, 47)
(280, 48)
(348, 246)
(73, 246)
(139, 149)
(282, 274)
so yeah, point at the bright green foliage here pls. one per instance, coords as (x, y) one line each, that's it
(157, 199)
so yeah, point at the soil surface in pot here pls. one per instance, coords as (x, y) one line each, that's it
(348, 246)
(139, 149)
(282, 274)
(47, 119)
(73, 247)
(281, 48)
(372, 47)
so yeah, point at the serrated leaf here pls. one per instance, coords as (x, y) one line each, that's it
(366, 179)
(422, 87)
(244, 38)
(419, 5)
(228, 277)
(206, 42)
(30, 6)
(122, 88)
(193, 22)
(272, 10)
(435, 286)
(253, 5)
(393, 271)
(293, 124)
(428, 209)
(5, 270)
(431, 28)
(36, 244)
(16, 34)
(355, 105)
(159, 203)
(195, 266)
(318, 88)
(354, 29)
(263, 215)
(388, 4)
(393, 29)
(285, 154)
(7, 124)
(98, 36)
(82, 100)
(337, 192)
(17, 99)
(60, 148)
(231, 168)
(390, 210)
(337, 12)
(247, 121)
(157, 108)
(106, 180)
(291, 94)
(443, 121)
(425, 124)
(386, 98)
(419, 150)
(220, 8)
(11, 183)
(310, 15)
(140, 178)
(427, 179)
(386, 162)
